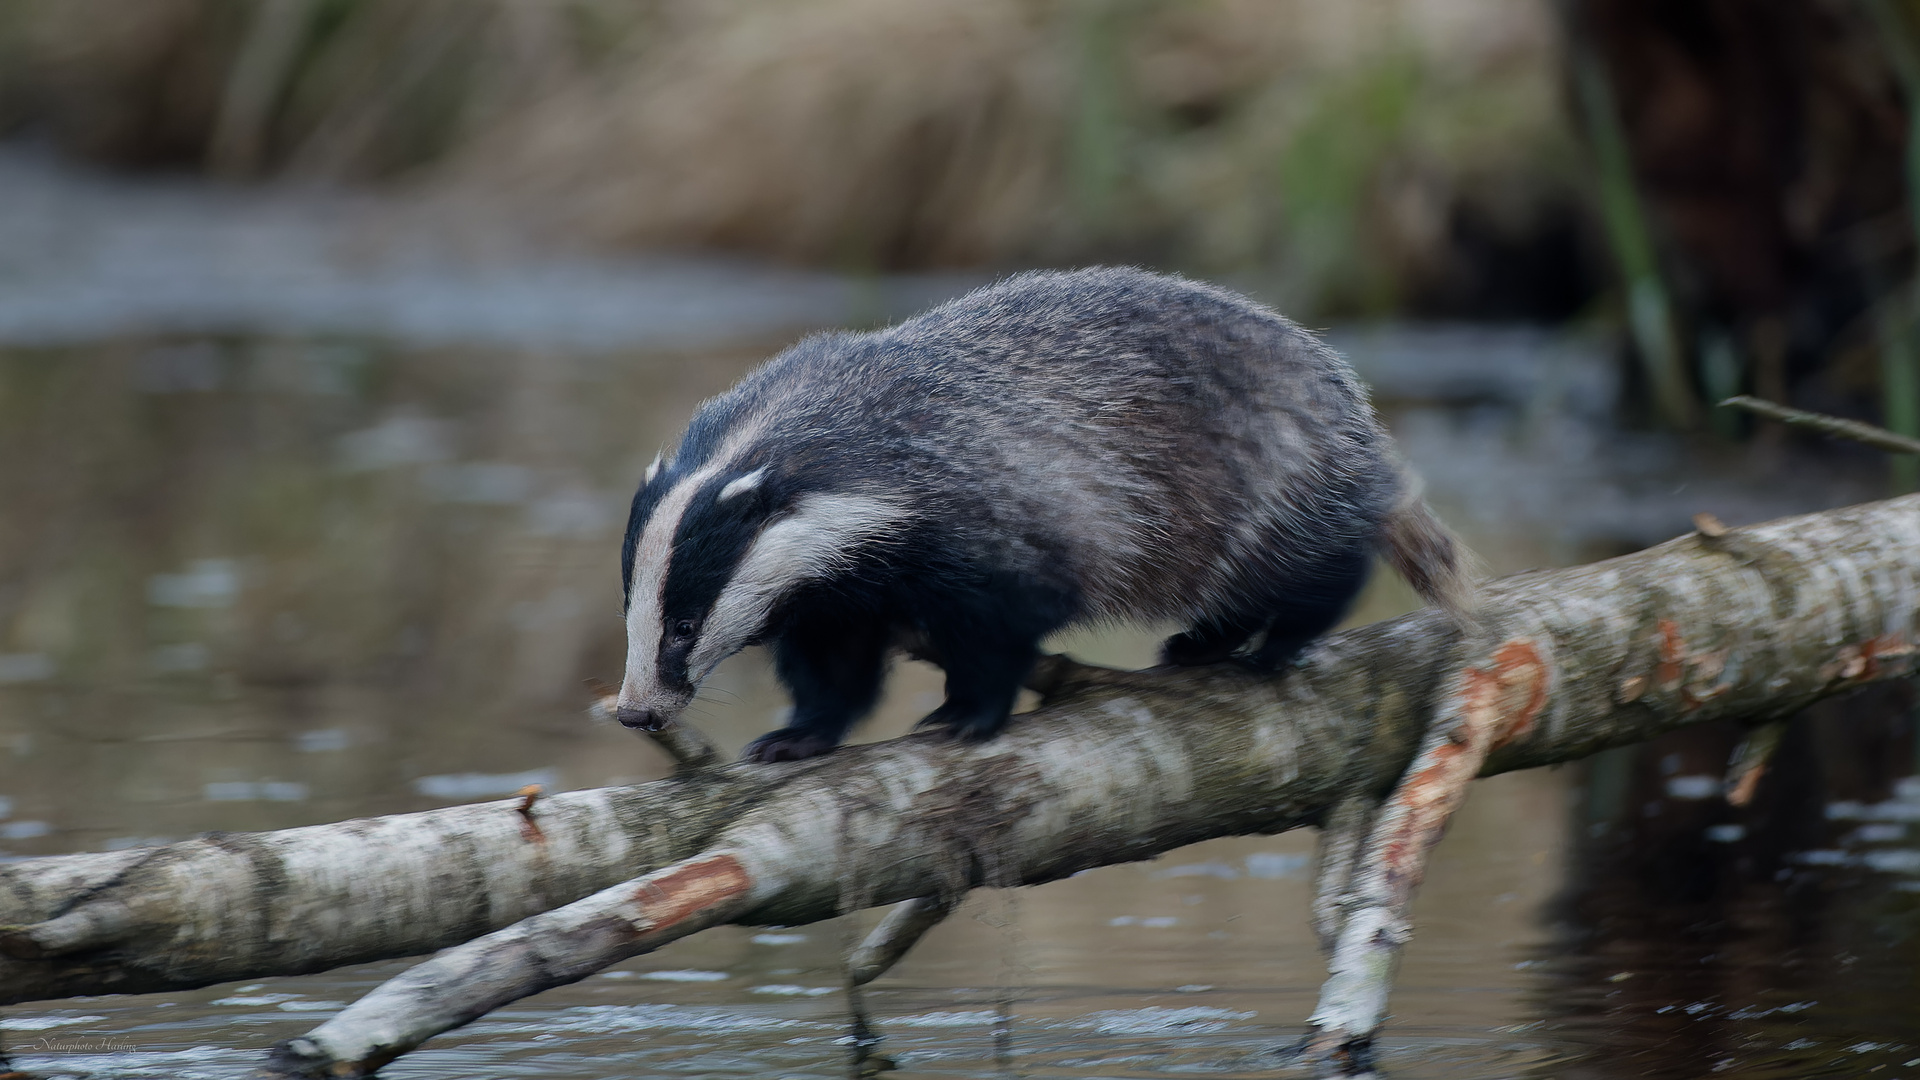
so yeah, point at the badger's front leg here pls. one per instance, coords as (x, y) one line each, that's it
(833, 668)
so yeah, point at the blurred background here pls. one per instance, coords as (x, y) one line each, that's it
(335, 335)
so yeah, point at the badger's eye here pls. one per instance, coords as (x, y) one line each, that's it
(683, 630)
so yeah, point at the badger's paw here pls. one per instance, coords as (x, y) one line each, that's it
(1213, 643)
(1194, 650)
(963, 724)
(787, 744)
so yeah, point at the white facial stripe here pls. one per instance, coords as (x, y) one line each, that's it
(818, 539)
(651, 553)
(743, 484)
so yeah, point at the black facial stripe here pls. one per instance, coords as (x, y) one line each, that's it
(713, 537)
(671, 665)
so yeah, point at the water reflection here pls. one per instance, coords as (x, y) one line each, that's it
(250, 583)
(1777, 940)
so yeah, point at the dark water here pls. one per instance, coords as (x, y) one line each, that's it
(250, 581)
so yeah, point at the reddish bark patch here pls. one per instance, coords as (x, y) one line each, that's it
(679, 892)
(1891, 646)
(1429, 797)
(1742, 791)
(1499, 703)
(1503, 701)
(1420, 790)
(1673, 655)
(1401, 857)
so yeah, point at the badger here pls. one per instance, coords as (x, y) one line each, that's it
(1060, 448)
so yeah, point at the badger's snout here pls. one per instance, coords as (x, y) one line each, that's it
(640, 719)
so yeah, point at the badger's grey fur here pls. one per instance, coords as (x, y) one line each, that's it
(1057, 448)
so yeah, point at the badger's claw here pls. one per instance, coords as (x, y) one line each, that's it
(964, 725)
(787, 744)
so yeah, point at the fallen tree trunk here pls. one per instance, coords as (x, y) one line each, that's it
(1751, 624)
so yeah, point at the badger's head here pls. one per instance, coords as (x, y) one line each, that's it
(712, 548)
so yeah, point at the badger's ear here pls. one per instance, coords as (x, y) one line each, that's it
(744, 484)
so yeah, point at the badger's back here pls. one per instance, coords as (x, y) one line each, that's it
(1160, 448)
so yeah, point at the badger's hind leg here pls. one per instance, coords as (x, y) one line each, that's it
(1315, 603)
(834, 669)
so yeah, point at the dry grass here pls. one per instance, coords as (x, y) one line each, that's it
(1327, 140)
(1329, 144)
(845, 130)
(329, 88)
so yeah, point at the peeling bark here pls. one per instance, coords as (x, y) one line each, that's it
(1751, 624)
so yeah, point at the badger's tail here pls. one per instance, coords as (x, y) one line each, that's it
(1430, 557)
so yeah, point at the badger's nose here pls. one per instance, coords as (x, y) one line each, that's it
(639, 719)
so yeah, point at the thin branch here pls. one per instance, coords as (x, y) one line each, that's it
(1877, 437)
(902, 928)
(898, 932)
(690, 750)
(1343, 839)
(1749, 761)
